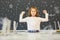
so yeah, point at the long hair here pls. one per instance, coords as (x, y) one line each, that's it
(29, 11)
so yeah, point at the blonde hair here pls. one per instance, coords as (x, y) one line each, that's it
(29, 11)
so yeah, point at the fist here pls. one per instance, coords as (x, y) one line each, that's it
(23, 12)
(44, 11)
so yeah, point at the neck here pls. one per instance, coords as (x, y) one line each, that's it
(33, 16)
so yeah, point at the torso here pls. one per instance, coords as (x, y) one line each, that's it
(33, 23)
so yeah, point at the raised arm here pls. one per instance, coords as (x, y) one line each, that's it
(46, 16)
(21, 19)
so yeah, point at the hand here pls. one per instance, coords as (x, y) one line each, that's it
(23, 12)
(44, 11)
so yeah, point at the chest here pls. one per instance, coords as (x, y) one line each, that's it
(33, 20)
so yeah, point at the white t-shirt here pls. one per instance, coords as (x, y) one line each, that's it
(33, 23)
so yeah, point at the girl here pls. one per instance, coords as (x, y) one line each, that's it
(33, 20)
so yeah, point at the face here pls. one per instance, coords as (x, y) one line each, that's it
(33, 12)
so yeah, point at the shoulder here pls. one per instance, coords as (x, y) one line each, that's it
(38, 17)
(27, 17)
